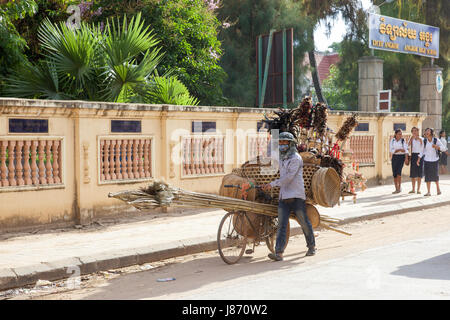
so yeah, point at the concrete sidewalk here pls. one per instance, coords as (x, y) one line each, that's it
(52, 256)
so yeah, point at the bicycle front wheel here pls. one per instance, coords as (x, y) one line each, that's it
(231, 244)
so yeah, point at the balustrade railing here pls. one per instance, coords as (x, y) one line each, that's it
(30, 162)
(258, 145)
(125, 159)
(202, 155)
(362, 148)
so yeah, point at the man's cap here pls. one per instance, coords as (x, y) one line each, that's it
(286, 136)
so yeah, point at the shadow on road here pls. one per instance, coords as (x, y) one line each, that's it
(190, 275)
(434, 268)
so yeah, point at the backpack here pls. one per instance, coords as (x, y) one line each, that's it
(434, 142)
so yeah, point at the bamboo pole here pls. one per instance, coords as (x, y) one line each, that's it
(182, 198)
(323, 225)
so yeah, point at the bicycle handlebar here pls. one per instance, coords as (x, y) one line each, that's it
(237, 186)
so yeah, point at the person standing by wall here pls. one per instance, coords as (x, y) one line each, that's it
(430, 155)
(443, 155)
(416, 171)
(398, 150)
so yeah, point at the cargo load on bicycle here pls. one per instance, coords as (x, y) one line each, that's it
(252, 213)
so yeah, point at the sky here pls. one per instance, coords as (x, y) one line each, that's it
(337, 31)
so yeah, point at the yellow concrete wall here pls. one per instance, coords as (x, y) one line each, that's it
(82, 197)
(23, 206)
(93, 195)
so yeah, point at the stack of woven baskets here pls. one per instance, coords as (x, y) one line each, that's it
(322, 185)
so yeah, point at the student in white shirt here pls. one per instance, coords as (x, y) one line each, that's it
(416, 171)
(398, 149)
(430, 155)
(443, 155)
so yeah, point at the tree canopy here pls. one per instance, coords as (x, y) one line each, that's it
(187, 31)
(401, 71)
(12, 45)
(117, 64)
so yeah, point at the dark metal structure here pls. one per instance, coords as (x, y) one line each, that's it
(275, 68)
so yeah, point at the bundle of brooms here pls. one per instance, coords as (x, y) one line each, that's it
(160, 194)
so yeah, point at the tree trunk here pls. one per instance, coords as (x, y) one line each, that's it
(430, 7)
(315, 75)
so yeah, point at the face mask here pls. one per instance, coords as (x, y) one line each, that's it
(284, 147)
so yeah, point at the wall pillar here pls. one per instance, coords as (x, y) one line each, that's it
(430, 99)
(235, 140)
(379, 150)
(369, 83)
(83, 211)
(163, 155)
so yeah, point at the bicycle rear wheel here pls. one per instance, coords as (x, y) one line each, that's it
(230, 243)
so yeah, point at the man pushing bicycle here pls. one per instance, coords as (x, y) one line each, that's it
(292, 195)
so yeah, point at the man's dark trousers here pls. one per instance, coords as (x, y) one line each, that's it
(298, 206)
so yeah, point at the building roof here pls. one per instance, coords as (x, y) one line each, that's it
(324, 62)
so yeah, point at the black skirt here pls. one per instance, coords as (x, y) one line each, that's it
(443, 159)
(416, 171)
(431, 169)
(398, 160)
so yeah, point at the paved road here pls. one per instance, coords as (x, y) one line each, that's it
(398, 257)
(416, 269)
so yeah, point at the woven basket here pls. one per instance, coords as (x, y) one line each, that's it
(261, 172)
(326, 187)
(309, 157)
(234, 179)
(313, 215)
(240, 223)
(249, 226)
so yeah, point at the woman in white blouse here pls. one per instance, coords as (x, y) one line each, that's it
(444, 154)
(430, 155)
(416, 171)
(398, 149)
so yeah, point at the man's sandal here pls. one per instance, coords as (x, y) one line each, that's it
(275, 257)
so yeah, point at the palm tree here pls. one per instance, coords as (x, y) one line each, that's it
(170, 90)
(117, 64)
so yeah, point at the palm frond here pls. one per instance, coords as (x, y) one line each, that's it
(117, 65)
(74, 52)
(131, 60)
(40, 81)
(123, 44)
(170, 90)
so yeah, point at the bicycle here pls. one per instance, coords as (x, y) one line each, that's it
(238, 228)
